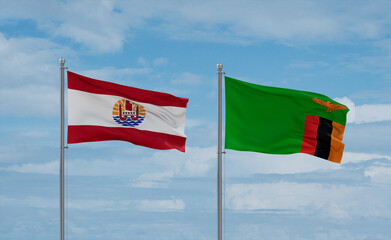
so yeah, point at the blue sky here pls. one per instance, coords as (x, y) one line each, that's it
(117, 190)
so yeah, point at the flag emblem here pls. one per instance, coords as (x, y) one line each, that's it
(128, 113)
(330, 107)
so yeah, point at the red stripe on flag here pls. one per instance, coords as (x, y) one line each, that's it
(86, 84)
(310, 135)
(88, 133)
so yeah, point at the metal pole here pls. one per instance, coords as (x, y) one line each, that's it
(219, 151)
(62, 63)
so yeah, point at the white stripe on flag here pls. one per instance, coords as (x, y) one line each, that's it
(97, 110)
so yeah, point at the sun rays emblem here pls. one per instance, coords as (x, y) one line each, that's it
(128, 113)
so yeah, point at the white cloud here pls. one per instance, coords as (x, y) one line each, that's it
(29, 101)
(35, 134)
(11, 153)
(96, 25)
(254, 231)
(29, 76)
(192, 123)
(354, 157)
(171, 205)
(160, 61)
(379, 174)
(78, 167)
(378, 63)
(40, 168)
(35, 202)
(29, 61)
(157, 62)
(97, 205)
(195, 163)
(142, 61)
(114, 74)
(366, 113)
(101, 41)
(381, 95)
(103, 26)
(307, 64)
(335, 201)
(100, 204)
(270, 230)
(306, 21)
(241, 164)
(373, 113)
(152, 180)
(122, 205)
(188, 79)
(352, 108)
(101, 167)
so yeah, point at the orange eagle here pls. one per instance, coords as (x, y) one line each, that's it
(330, 107)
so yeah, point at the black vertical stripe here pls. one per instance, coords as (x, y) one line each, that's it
(324, 138)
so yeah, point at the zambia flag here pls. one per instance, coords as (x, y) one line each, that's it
(283, 121)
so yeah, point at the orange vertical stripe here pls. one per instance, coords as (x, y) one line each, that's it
(336, 145)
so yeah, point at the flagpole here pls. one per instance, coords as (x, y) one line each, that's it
(62, 147)
(219, 151)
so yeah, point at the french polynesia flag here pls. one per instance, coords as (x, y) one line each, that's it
(101, 111)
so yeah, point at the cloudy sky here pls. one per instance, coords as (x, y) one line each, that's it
(117, 190)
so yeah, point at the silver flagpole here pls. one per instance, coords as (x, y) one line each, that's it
(219, 151)
(62, 68)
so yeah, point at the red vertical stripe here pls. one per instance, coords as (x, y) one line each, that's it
(310, 135)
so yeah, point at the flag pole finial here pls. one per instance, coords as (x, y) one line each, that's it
(61, 61)
(219, 67)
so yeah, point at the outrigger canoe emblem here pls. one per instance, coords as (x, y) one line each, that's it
(128, 113)
(330, 107)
